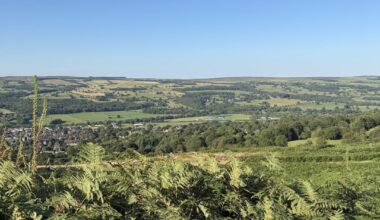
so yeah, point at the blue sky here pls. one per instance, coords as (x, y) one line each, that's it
(190, 38)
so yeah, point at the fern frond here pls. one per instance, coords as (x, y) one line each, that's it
(268, 212)
(204, 211)
(234, 172)
(91, 153)
(337, 215)
(309, 191)
(62, 202)
(272, 162)
(14, 181)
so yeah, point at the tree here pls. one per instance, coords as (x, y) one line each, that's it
(332, 133)
(364, 122)
(194, 143)
(265, 138)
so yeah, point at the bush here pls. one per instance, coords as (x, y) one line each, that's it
(375, 134)
(332, 133)
(320, 142)
(57, 121)
(353, 137)
(281, 141)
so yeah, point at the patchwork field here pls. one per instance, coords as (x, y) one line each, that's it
(81, 100)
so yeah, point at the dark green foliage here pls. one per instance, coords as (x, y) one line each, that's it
(374, 134)
(57, 121)
(145, 188)
(332, 133)
(221, 135)
(281, 141)
(365, 122)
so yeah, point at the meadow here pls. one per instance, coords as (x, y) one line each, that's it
(88, 117)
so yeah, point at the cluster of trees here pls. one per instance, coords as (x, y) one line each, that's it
(193, 137)
(201, 100)
(67, 106)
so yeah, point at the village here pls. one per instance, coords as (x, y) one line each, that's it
(53, 140)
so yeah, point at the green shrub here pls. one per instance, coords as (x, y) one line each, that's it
(320, 142)
(281, 141)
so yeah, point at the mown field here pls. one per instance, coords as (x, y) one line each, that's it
(85, 117)
(201, 119)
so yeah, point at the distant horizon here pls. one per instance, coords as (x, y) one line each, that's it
(160, 78)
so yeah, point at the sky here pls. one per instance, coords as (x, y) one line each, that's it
(190, 38)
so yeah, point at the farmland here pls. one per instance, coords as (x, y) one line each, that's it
(82, 100)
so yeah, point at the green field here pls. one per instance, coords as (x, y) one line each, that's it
(85, 117)
(283, 102)
(201, 119)
(5, 111)
(227, 117)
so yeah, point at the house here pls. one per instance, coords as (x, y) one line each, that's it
(138, 124)
(57, 147)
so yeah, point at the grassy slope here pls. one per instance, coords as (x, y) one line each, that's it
(359, 162)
